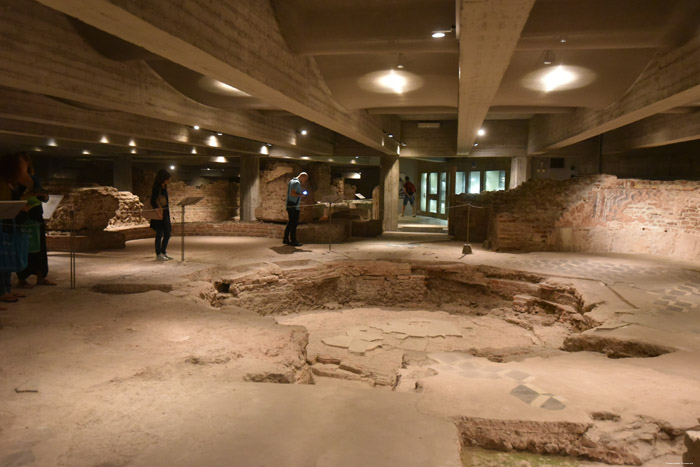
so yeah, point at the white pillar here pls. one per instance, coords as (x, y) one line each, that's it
(249, 186)
(519, 171)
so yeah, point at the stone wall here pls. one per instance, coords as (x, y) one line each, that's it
(597, 214)
(274, 177)
(220, 203)
(96, 209)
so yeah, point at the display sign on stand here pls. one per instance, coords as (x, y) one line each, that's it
(10, 209)
(190, 200)
(329, 200)
(51, 205)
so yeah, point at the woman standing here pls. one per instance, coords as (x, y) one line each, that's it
(13, 173)
(159, 200)
(38, 263)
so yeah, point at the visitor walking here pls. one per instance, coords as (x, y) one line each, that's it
(38, 260)
(409, 196)
(294, 194)
(13, 172)
(160, 203)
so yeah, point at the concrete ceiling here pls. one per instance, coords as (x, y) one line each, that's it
(282, 65)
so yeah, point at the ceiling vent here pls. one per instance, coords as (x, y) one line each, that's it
(428, 124)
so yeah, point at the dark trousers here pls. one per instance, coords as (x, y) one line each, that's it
(163, 235)
(290, 232)
(38, 263)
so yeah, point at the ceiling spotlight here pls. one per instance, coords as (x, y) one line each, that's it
(390, 135)
(134, 151)
(399, 62)
(172, 167)
(86, 152)
(394, 81)
(403, 144)
(548, 57)
(303, 132)
(37, 149)
(196, 127)
(132, 143)
(562, 39)
(476, 144)
(218, 133)
(104, 139)
(438, 35)
(481, 132)
(269, 145)
(52, 142)
(194, 151)
(264, 150)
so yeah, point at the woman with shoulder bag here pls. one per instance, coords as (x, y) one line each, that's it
(159, 202)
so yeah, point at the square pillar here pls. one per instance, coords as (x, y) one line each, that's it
(389, 202)
(250, 186)
(519, 171)
(122, 173)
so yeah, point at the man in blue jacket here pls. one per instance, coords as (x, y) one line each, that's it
(294, 194)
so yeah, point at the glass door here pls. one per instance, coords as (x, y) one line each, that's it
(433, 197)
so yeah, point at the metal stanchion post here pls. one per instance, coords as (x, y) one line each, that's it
(330, 216)
(72, 250)
(467, 248)
(182, 235)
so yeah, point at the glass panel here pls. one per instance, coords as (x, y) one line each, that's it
(495, 180)
(475, 182)
(461, 183)
(433, 206)
(443, 191)
(423, 190)
(433, 183)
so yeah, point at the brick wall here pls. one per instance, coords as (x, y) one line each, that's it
(597, 214)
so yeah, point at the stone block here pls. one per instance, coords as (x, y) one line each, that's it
(692, 444)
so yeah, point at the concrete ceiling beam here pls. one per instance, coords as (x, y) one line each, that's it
(489, 34)
(238, 43)
(54, 60)
(670, 80)
(659, 130)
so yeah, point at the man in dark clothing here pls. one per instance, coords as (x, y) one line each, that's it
(409, 196)
(294, 194)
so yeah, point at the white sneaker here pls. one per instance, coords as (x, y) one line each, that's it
(161, 257)
(168, 257)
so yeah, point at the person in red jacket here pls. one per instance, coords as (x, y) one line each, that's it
(409, 196)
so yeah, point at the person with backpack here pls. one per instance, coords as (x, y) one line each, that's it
(161, 223)
(294, 194)
(409, 196)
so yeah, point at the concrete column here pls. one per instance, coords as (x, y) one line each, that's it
(122, 173)
(389, 203)
(250, 186)
(452, 199)
(519, 171)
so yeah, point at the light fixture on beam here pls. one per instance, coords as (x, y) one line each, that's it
(193, 151)
(132, 143)
(549, 57)
(303, 132)
(172, 167)
(86, 152)
(104, 139)
(440, 33)
(399, 62)
(196, 127)
(52, 142)
(481, 132)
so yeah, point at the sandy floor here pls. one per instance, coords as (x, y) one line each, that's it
(105, 376)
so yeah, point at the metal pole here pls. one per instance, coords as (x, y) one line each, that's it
(182, 235)
(72, 250)
(330, 216)
(469, 210)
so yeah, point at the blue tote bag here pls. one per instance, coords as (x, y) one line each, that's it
(14, 250)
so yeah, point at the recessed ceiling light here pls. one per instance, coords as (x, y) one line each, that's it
(172, 167)
(196, 127)
(303, 132)
(438, 35)
(353, 161)
(562, 39)
(52, 142)
(390, 135)
(104, 139)
(37, 149)
(221, 160)
(85, 151)
(132, 143)
(219, 134)
(481, 132)
(194, 151)
(399, 62)
(134, 151)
